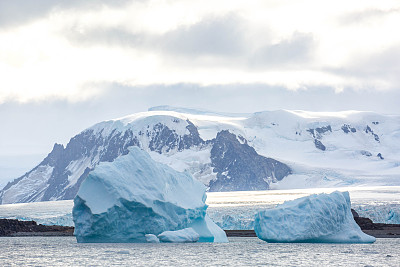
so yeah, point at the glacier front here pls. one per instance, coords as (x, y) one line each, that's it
(323, 218)
(134, 196)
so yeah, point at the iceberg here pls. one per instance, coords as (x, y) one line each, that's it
(323, 218)
(150, 238)
(187, 235)
(134, 196)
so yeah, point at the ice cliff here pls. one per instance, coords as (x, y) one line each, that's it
(123, 200)
(323, 218)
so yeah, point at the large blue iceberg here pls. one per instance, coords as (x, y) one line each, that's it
(134, 196)
(323, 218)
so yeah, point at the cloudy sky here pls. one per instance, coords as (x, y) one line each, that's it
(66, 65)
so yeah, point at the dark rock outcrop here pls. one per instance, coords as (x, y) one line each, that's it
(240, 168)
(317, 134)
(369, 130)
(366, 153)
(163, 139)
(319, 131)
(347, 129)
(368, 224)
(318, 144)
(11, 227)
(355, 213)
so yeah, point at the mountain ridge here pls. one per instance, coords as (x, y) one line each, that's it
(310, 149)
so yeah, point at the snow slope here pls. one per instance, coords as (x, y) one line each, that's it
(360, 148)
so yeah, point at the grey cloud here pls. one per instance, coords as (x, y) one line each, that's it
(17, 12)
(221, 39)
(297, 49)
(212, 36)
(366, 16)
(384, 65)
(221, 36)
(107, 36)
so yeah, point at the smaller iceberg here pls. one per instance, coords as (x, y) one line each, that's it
(323, 218)
(150, 238)
(135, 199)
(187, 235)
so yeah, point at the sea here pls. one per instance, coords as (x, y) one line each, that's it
(240, 251)
(233, 210)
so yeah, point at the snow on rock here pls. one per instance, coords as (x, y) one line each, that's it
(33, 186)
(323, 218)
(187, 235)
(123, 200)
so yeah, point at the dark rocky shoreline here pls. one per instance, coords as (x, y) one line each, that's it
(11, 227)
(378, 230)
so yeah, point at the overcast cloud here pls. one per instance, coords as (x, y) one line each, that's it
(19, 12)
(65, 65)
(62, 48)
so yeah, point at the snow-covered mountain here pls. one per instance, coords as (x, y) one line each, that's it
(229, 152)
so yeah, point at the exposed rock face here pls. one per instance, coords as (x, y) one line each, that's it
(366, 223)
(318, 144)
(317, 134)
(240, 168)
(355, 213)
(319, 131)
(163, 139)
(369, 130)
(347, 129)
(366, 153)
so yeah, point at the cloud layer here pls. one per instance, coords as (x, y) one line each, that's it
(72, 49)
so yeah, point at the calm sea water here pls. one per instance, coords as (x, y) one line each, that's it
(64, 251)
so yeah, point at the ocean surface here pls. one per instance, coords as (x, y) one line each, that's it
(240, 251)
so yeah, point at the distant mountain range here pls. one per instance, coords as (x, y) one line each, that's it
(229, 152)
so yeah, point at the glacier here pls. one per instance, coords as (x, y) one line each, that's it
(323, 218)
(123, 200)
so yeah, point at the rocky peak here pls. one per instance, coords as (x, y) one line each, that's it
(54, 155)
(164, 139)
(240, 168)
